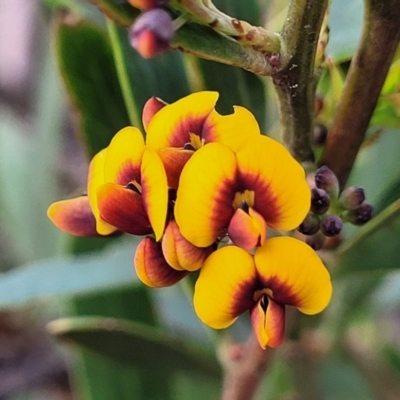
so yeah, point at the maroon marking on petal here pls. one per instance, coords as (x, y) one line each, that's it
(282, 291)
(265, 200)
(243, 298)
(128, 172)
(152, 267)
(123, 208)
(188, 124)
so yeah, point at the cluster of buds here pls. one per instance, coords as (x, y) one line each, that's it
(153, 30)
(329, 209)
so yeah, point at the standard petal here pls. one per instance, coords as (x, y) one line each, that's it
(232, 130)
(154, 191)
(225, 287)
(124, 156)
(95, 179)
(205, 194)
(171, 126)
(268, 322)
(294, 274)
(152, 106)
(73, 216)
(174, 159)
(282, 195)
(180, 253)
(151, 267)
(123, 208)
(247, 229)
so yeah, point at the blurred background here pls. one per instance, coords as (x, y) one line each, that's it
(60, 103)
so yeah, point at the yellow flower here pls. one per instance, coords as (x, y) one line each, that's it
(176, 130)
(240, 193)
(283, 272)
(127, 190)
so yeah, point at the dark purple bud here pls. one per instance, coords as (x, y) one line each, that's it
(151, 32)
(310, 225)
(326, 179)
(352, 197)
(331, 225)
(319, 135)
(316, 241)
(361, 214)
(320, 201)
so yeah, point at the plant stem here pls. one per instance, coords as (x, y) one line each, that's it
(122, 73)
(294, 80)
(367, 73)
(244, 373)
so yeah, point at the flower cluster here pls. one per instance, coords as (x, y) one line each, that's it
(329, 209)
(204, 188)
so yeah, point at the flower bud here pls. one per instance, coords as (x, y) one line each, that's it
(319, 135)
(320, 201)
(326, 179)
(151, 32)
(361, 214)
(310, 225)
(331, 225)
(147, 4)
(316, 241)
(352, 197)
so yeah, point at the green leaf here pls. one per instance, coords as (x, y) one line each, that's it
(120, 12)
(61, 276)
(135, 344)
(87, 67)
(373, 247)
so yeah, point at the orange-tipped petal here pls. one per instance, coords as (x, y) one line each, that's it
(124, 156)
(154, 191)
(174, 160)
(152, 106)
(282, 195)
(95, 179)
(294, 274)
(73, 216)
(123, 208)
(205, 194)
(181, 254)
(151, 267)
(247, 229)
(268, 322)
(225, 287)
(171, 126)
(232, 130)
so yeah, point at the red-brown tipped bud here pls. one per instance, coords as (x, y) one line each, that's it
(151, 33)
(331, 225)
(360, 215)
(310, 225)
(320, 201)
(152, 106)
(326, 179)
(352, 197)
(147, 4)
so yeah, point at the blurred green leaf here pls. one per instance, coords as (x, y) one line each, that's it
(249, 10)
(135, 344)
(345, 22)
(87, 67)
(118, 11)
(67, 275)
(392, 356)
(375, 246)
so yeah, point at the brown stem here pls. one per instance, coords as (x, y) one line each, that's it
(245, 366)
(367, 73)
(294, 80)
